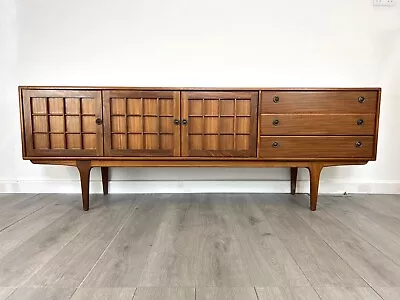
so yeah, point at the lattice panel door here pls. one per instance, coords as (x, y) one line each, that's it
(141, 123)
(219, 124)
(62, 123)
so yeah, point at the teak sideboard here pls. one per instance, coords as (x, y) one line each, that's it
(199, 127)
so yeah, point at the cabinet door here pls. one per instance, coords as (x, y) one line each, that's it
(141, 123)
(220, 124)
(62, 123)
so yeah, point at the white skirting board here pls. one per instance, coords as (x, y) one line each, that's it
(215, 186)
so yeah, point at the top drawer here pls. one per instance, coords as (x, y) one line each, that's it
(319, 102)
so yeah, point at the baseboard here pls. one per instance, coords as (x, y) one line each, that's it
(215, 186)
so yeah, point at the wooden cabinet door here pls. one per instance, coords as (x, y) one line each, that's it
(141, 123)
(220, 124)
(62, 123)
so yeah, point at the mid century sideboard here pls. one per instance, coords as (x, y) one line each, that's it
(107, 127)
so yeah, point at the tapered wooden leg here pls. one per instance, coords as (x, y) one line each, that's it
(315, 169)
(293, 180)
(104, 179)
(84, 168)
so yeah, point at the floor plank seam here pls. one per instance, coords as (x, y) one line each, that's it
(73, 293)
(367, 243)
(57, 252)
(364, 204)
(294, 259)
(288, 250)
(319, 296)
(375, 212)
(162, 216)
(356, 234)
(30, 196)
(329, 246)
(31, 213)
(378, 213)
(345, 261)
(376, 292)
(11, 294)
(134, 294)
(112, 240)
(255, 291)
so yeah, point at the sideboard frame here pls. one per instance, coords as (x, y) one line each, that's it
(84, 164)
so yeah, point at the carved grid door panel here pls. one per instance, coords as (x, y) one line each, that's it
(62, 123)
(141, 123)
(220, 124)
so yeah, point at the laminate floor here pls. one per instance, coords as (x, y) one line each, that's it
(200, 247)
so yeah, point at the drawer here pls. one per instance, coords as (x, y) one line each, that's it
(317, 124)
(361, 102)
(316, 147)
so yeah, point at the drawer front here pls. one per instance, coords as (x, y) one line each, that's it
(317, 124)
(316, 147)
(362, 102)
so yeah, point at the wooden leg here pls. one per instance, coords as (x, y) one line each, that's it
(293, 180)
(104, 179)
(84, 168)
(315, 169)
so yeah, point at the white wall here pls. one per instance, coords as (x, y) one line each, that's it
(337, 43)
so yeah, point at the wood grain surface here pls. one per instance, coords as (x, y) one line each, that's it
(316, 147)
(319, 102)
(317, 124)
(202, 246)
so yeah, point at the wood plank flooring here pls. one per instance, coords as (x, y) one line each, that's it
(200, 247)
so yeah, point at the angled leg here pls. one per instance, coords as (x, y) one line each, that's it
(315, 169)
(84, 167)
(293, 180)
(104, 179)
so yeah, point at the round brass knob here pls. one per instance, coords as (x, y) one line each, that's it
(184, 122)
(360, 122)
(99, 121)
(275, 144)
(358, 144)
(361, 99)
(275, 122)
(176, 122)
(276, 99)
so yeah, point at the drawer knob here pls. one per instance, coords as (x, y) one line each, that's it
(361, 99)
(275, 122)
(276, 99)
(184, 122)
(360, 122)
(358, 144)
(275, 144)
(176, 122)
(99, 121)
